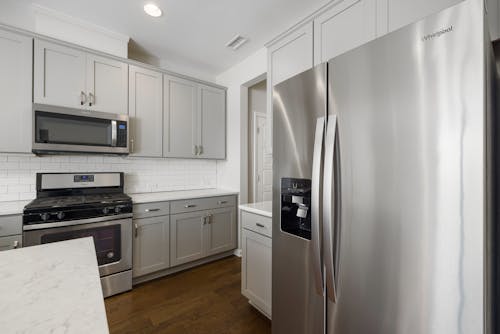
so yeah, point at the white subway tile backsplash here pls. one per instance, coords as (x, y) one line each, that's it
(18, 173)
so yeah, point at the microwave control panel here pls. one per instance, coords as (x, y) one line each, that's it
(121, 134)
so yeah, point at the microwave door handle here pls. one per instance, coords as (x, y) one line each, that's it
(316, 194)
(113, 133)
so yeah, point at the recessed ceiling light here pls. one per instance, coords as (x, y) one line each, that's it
(152, 10)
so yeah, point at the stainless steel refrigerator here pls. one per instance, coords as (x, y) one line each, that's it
(382, 190)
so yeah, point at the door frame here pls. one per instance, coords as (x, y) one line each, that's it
(254, 146)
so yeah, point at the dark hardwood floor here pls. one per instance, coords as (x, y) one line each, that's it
(206, 299)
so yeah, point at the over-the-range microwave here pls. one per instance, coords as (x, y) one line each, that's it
(67, 130)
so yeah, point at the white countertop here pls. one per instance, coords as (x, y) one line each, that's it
(52, 288)
(12, 208)
(260, 208)
(179, 195)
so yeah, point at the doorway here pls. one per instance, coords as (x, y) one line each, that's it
(260, 162)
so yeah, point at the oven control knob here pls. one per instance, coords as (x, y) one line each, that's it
(105, 211)
(118, 209)
(45, 216)
(60, 215)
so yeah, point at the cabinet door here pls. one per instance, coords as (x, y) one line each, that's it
(403, 12)
(151, 245)
(357, 17)
(107, 85)
(15, 92)
(212, 101)
(59, 77)
(187, 237)
(287, 57)
(256, 269)
(12, 242)
(221, 231)
(180, 117)
(146, 112)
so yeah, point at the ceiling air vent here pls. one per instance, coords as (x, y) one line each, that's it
(236, 42)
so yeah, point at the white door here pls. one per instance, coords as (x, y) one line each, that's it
(15, 92)
(357, 17)
(180, 117)
(146, 112)
(212, 122)
(259, 135)
(107, 85)
(59, 75)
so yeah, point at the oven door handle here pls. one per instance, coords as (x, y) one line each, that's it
(113, 133)
(76, 222)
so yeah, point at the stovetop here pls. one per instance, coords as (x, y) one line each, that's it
(67, 202)
(76, 207)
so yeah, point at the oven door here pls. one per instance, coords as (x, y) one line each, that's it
(112, 241)
(57, 129)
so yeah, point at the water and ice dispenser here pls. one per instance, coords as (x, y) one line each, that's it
(296, 207)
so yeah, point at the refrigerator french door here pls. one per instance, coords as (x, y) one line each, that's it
(382, 169)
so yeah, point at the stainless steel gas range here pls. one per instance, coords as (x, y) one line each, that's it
(77, 205)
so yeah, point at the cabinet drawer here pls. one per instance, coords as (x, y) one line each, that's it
(257, 223)
(197, 204)
(11, 225)
(151, 209)
(12, 242)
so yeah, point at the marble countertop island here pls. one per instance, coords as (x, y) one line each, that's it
(260, 208)
(52, 288)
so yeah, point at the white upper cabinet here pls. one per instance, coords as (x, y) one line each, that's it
(287, 57)
(404, 12)
(107, 84)
(194, 120)
(343, 27)
(146, 112)
(180, 118)
(292, 54)
(212, 144)
(59, 77)
(72, 78)
(15, 92)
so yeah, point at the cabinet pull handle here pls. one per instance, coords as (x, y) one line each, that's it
(83, 98)
(131, 145)
(210, 218)
(16, 244)
(195, 149)
(259, 225)
(136, 229)
(187, 206)
(221, 202)
(91, 99)
(200, 150)
(152, 210)
(204, 220)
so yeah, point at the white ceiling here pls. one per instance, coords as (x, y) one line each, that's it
(192, 33)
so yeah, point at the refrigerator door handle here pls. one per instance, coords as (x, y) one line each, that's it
(329, 201)
(316, 203)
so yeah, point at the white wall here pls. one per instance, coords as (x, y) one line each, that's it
(17, 173)
(233, 172)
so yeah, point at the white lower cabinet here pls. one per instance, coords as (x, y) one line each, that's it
(256, 270)
(187, 234)
(151, 245)
(199, 234)
(11, 242)
(221, 233)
